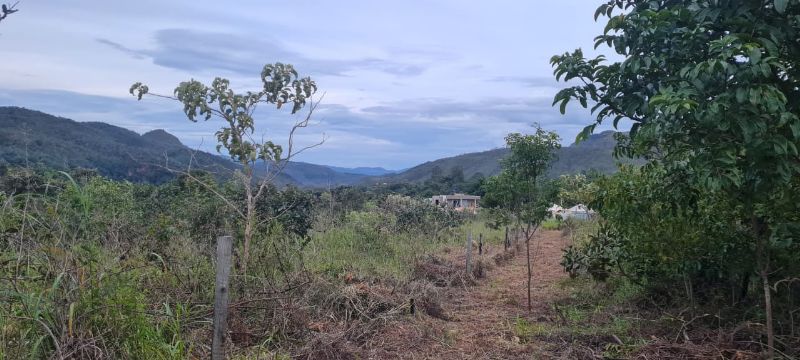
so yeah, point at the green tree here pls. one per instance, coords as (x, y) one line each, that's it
(576, 189)
(281, 85)
(437, 173)
(517, 194)
(711, 86)
(456, 174)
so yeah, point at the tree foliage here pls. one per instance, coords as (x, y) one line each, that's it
(577, 189)
(712, 89)
(517, 191)
(518, 195)
(281, 85)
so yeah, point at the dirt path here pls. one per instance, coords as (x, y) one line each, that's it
(481, 319)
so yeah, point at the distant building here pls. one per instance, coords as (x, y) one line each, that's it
(458, 202)
(555, 210)
(580, 212)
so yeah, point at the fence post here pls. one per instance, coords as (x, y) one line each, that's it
(469, 253)
(224, 255)
(480, 244)
(505, 242)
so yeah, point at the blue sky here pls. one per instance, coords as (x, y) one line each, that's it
(405, 81)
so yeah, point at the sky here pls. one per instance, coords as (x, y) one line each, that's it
(404, 82)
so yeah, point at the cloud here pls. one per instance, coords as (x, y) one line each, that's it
(477, 113)
(529, 81)
(133, 53)
(395, 134)
(192, 50)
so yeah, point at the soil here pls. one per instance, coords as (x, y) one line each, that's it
(479, 320)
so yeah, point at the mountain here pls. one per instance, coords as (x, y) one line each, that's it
(594, 153)
(366, 171)
(35, 138)
(484, 162)
(320, 176)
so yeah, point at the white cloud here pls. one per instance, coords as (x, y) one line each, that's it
(406, 81)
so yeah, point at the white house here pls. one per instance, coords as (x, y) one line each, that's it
(555, 210)
(458, 202)
(580, 211)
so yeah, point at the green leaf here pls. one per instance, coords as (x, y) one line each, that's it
(585, 133)
(634, 130)
(600, 10)
(563, 107)
(755, 55)
(780, 5)
(795, 126)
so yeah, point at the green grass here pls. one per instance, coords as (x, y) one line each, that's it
(579, 230)
(370, 252)
(585, 312)
(480, 226)
(527, 331)
(382, 255)
(551, 224)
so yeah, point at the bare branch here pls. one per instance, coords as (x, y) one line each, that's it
(8, 10)
(188, 174)
(290, 153)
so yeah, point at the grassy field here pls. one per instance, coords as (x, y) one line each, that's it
(367, 250)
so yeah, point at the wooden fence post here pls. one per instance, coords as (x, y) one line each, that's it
(480, 244)
(469, 253)
(505, 242)
(224, 255)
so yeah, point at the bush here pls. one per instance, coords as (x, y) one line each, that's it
(598, 256)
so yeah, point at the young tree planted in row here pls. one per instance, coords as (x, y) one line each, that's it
(517, 194)
(281, 86)
(709, 86)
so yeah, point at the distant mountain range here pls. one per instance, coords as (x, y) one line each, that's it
(594, 153)
(366, 171)
(35, 138)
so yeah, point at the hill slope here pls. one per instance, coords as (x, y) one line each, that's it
(35, 138)
(368, 171)
(319, 176)
(594, 153)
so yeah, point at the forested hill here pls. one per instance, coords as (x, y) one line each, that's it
(38, 139)
(595, 153)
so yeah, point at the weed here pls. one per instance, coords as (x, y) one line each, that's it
(527, 331)
(551, 224)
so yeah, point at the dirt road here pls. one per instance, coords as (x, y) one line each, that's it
(481, 320)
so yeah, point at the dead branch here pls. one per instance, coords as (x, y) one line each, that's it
(281, 165)
(8, 10)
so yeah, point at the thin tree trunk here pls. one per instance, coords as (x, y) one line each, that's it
(768, 309)
(505, 241)
(248, 228)
(762, 253)
(528, 251)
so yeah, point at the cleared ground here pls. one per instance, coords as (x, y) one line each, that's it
(480, 321)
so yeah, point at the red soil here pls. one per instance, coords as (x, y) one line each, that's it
(480, 319)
